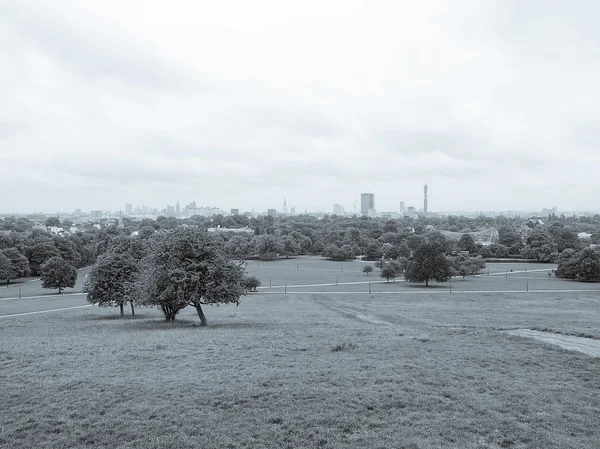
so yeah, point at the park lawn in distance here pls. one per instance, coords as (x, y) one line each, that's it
(293, 370)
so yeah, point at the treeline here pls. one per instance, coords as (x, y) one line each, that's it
(339, 238)
(581, 265)
(24, 250)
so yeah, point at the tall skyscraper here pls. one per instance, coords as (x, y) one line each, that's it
(285, 206)
(128, 209)
(338, 209)
(402, 207)
(425, 198)
(367, 204)
(177, 209)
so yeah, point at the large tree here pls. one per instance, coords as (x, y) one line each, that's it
(39, 253)
(429, 263)
(268, 247)
(187, 266)
(110, 281)
(540, 246)
(466, 243)
(290, 248)
(58, 273)
(588, 267)
(15, 265)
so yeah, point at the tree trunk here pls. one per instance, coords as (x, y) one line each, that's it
(121, 308)
(132, 310)
(200, 314)
(7, 281)
(427, 283)
(59, 290)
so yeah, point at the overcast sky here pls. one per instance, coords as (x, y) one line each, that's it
(238, 104)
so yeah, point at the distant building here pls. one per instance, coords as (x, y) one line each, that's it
(546, 211)
(402, 207)
(389, 215)
(235, 211)
(272, 213)
(177, 209)
(245, 230)
(293, 210)
(170, 211)
(96, 214)
(285, 206)
(425, 189)
(128, 209)
(338, 209)
(410, 212)
(367, 204)
(248, 214)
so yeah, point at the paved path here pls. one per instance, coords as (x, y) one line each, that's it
(33, 287)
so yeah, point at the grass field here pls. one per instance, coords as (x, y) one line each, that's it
(403, 367)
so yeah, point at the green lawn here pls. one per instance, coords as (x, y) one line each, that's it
(433, 370)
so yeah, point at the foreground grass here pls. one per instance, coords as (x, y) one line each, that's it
(295, 371)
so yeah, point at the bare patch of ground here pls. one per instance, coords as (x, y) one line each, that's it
(580, 344)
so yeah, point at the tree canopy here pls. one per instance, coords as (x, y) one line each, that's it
(187, 266)
(58, 273)
(429, 263)
(111, 280)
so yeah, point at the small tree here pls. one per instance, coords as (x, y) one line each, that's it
(380, 264)
(368, 269)
(251, 283)
(58, 273)
(110, 281)
(389, 271)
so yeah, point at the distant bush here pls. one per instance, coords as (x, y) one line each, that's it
(344, 347)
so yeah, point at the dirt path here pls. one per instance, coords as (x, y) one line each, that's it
(586, 345)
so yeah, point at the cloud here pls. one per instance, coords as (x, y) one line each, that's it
(491, 104)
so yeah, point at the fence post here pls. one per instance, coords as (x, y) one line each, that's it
(285, 287)
(450, 285)
(269, 282)
(336, 280)
(528, 287)
(369, 286)
(297, 266)
(341, 266)
(19, 292)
